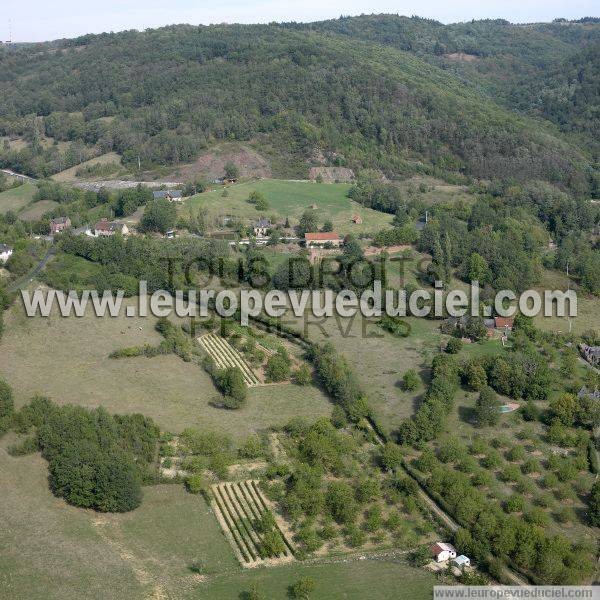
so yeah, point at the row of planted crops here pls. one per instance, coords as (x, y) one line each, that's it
(249, 525)
(226, 355)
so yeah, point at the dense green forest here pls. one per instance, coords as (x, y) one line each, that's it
(367, 91)
(546, 70)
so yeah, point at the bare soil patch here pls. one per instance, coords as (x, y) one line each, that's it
(332, 174)
(211, 165)
(461, 57)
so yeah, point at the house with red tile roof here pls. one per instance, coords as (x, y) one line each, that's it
(322, 239)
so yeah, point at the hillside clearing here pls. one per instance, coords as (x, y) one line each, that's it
(17, 198)
(69, 175)
(289, 199)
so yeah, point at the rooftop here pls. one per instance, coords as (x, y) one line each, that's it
(165, 193)
(106, 225)
(325, 236)
(502, 322)
(441, 547)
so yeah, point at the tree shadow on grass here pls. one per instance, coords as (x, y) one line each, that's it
(466, 414)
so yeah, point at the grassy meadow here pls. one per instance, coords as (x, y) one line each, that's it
(18, 198)
(290, 199)
(176, 394)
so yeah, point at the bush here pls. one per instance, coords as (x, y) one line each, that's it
(278, 368)
(28, 446)
(516, 454)
(367, 490)
(594, 505)
(391, 456)
(253, 447)
(525, 486)
(355, 537)
(302, 589)
(231, 383)
(515, 503)
(272, 544)
(194, 484)
(340, 502)
(482, 478)
(420, 557)
(486, 408)
(302, 376)
(565, 515)
(373, 519)
(536, 516)
(7, 406)
(338, 417)
(531, 465)
(308, 537)
(411, 380)
(510, 473)
(492, 460)
(453, 346)
(549, 481)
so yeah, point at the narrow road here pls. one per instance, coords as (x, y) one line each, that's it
(26, 279)
(17, 175)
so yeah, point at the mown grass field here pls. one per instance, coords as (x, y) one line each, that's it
(67, 360)
(352, 580)
(55, 551)
(17, 198)
(290, 199)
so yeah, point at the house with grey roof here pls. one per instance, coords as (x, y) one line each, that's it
(170, 195)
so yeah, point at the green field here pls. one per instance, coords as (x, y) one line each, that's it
(290, 199)
(176, 394)
(378, 358)
(17, 198)
(37, 210)
(381, 579)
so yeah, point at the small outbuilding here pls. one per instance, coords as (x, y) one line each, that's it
(462, 561)
(442, 551)
(506, 323)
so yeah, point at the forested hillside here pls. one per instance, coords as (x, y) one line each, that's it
(297, 91)
(547, 70)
